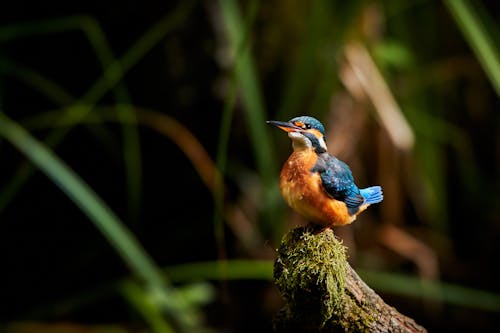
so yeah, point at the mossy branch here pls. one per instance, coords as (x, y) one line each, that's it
(322, 291)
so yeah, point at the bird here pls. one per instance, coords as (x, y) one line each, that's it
(317, 185)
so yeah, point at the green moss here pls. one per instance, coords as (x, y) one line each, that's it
(310, 272)
(356, 319)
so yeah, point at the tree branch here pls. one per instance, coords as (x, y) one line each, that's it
(324, 294)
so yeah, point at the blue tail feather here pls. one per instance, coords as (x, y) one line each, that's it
(372, 194)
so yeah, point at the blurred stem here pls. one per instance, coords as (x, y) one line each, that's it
(469, 21)
(225, 129)
(33, 78)
(130, 135)
(113, 73)
(221, 160)
(155, 120)
(96, 37)
(302, 72)
(151, 314)
(384, 282)
(33, 28)
(252, 99)
(209, 270)
(398, 284)
(103, 218)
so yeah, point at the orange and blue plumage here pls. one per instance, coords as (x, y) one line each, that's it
(317, 185)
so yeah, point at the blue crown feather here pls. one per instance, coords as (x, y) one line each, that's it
(313, 122)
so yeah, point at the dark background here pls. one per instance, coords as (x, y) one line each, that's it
(52, 253)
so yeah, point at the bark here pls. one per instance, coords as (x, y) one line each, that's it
(324, 294)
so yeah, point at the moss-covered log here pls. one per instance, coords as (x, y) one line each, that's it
(323, 293)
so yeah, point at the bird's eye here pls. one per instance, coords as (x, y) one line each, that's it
(308, 126)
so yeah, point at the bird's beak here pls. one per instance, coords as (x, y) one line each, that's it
(285, 126)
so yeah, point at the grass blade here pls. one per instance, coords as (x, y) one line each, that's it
(210, 270)
(248, 82)
(225, 130)
(393, 283)
(468, 20)
(113, 74)
(83, 196)
(453, 294)
(32, 78)
(134, 294)
(251, 93)
(104, 219)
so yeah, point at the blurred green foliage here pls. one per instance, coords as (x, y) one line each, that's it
(273, 61)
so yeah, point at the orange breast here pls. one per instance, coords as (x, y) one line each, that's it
(302, 190)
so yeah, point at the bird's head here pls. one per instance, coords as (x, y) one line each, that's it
(305, 132)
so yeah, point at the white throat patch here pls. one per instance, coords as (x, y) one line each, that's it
(299, 141)
(302, 142)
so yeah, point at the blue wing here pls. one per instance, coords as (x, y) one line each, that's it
(338, 181)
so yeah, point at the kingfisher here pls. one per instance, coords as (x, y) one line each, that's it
(317, 185)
